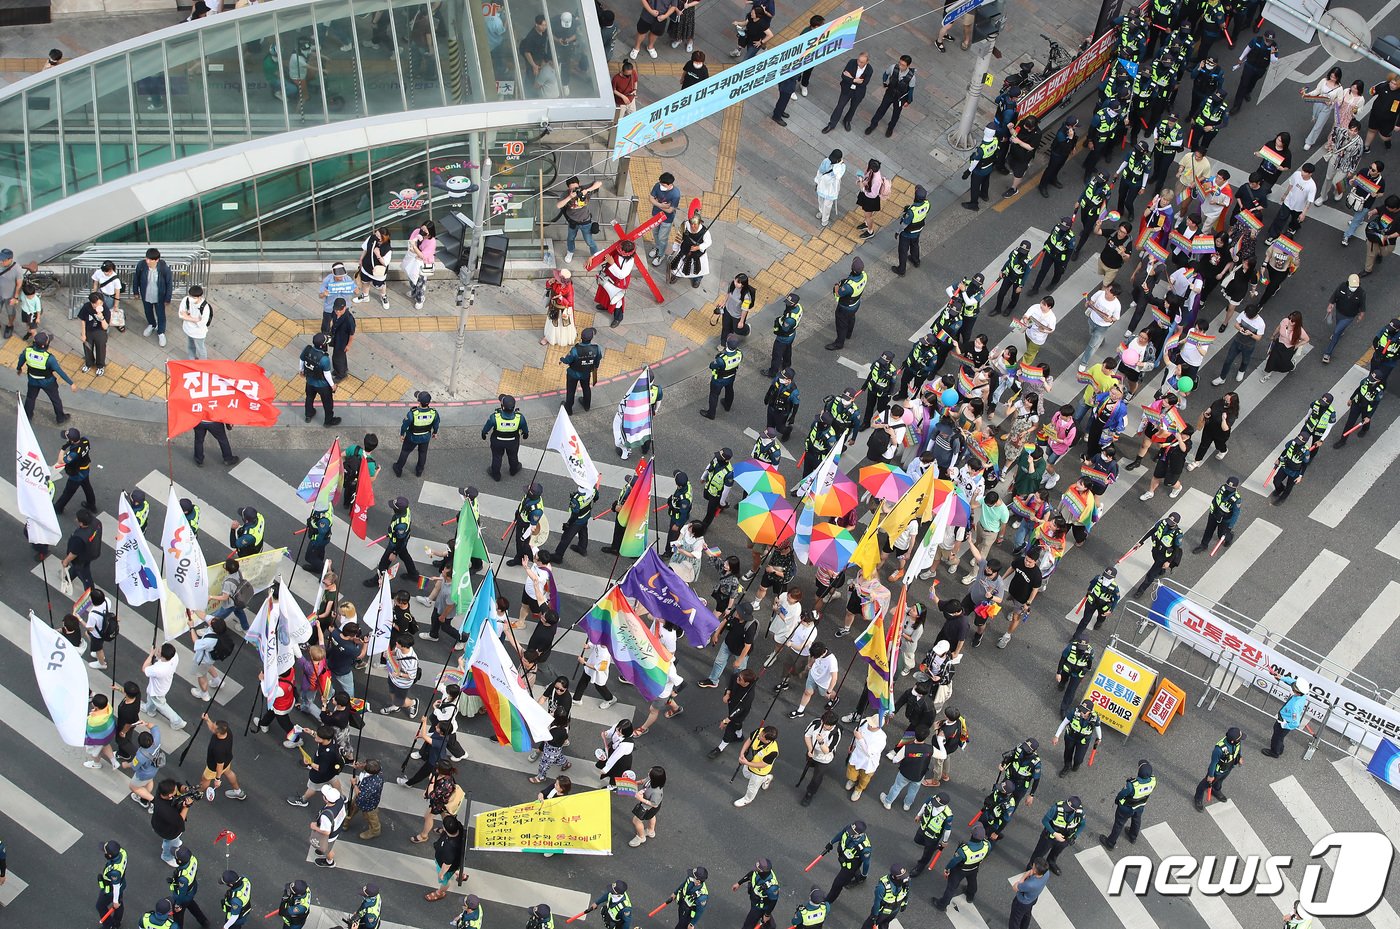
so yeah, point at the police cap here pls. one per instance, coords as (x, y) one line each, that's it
(424, 397)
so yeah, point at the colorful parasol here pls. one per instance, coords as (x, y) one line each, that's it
(885, 481)
(766, 518)
(840, 500)
(755, 476)
(831, 546)
(962, 513)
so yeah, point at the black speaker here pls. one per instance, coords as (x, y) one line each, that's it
(492, 269)
(987, 20)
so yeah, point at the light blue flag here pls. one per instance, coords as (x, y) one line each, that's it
(479, 614)
(1385, 763)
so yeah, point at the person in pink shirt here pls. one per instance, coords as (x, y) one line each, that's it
(418, 262)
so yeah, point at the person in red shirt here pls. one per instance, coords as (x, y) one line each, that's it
(624, 88)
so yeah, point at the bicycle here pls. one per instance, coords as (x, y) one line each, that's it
(44, 282)
(1056, 59)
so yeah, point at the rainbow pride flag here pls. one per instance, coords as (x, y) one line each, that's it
(1181, 241)
(636, 411)
(1199, 338)
(1154, 250)
(1203, 245)
(985, 446)
(1365, 185)
(1247, 218)
(1271, 156)
(1160, 316)
(323, 480)
(1284, 244)
(1091, 473)
(518, 720)
(966, 385)
(635, 514)
(1019, 507)
(1032, 376)
(640, 657)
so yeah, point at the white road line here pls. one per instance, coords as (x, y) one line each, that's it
(752, 433)
(1034, 235)
(1128, 908)
(39, 731)
(490, 887)
(1213, 910)
(1246, 841)
(399, 731)
(36, 818)
(1390, 545)
(410, 799)
(964, 915)
(1302, 593)
(1369, 629)
(1359, 479)
(1377, 800)
(861, 369)
(283, 495)
(1315, 826)
(613, 475)
(1327, 215)
(1340, 392)
(14, 886)
(1048, 913)
(322, 918)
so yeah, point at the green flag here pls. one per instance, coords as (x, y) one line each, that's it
(469, 546)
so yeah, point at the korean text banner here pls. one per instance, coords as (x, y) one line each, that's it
(233, 392)
(1257, 664)
(658, 120)
(579, 823)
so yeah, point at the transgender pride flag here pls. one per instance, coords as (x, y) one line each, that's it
(636, 411)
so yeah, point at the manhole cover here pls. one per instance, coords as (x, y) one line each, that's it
(673, 146)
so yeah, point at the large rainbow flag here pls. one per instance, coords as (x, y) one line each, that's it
(640, 657)
(519, 721)
(323, 480)
(635, 514)
(636, 411)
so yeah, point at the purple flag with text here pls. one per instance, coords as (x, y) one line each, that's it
(660, 592)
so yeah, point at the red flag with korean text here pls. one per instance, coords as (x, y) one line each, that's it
(233, 392)
(364, 500)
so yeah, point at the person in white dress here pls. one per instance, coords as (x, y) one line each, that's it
(687, 551)
(828, 183)
(559, 328)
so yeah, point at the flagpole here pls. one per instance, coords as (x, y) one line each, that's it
(214, 696)
(369, 665)
(403, 766)
(777, 653)
(296, 562)
(48, 594)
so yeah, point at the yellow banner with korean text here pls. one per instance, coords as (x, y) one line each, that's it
(1119, 690)
(577, 823)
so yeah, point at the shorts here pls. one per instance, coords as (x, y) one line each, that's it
(29, 319)
(1165, 472)
(95, 750)
(645, 25)
(770, 581)
(853, 603)
(814, 685)
(139, 782)
(659, 703)
(211, 776)
(534, 606)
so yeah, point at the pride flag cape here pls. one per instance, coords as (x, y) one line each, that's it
(636, 411)
(518, 720)
(641, 658)
(1019, 507)
(634, 515)
(1080, 509)
(966, 385)
(323, 480)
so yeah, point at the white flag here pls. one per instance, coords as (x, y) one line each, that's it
(379, 619)
(63, 679)
(565, 440)
(32, 477)
(174, 615)
(186, 572)
(927, 550)
(293, 617)
(136, 567)
(823, 476)
(263, 634)
(489, 656)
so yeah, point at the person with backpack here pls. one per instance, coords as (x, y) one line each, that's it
(196, 315)
(350, 471)
(233, 596)
(145, 763)
(102, 626)
(214, 643)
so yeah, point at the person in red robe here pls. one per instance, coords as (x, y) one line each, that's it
(613, 278)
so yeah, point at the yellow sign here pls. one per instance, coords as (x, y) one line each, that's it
(1119, 690)
(579, 823)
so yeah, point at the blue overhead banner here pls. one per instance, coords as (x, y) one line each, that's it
(694, 103)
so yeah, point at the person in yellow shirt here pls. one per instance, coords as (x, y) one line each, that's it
(757, 758)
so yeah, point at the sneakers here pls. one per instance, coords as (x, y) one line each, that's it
(324, 862)
(148, 806)
(1193, 465)
(968, 579)
(742, 801)
(236, 794)
(568, 257)
(690, 47)
(92, 763)
(633, 54)
(707, 683)
(402, 781)
(161, 338)
(850, 782)
(412, 711)
(1004, 641)
(887, 804)
(607, 703)
(855, 794)
(429, 637)
(637, 839)
(1148, 495)
(1220, 457)
(803, 90)
(360, 298)
(384, 302)
(100, 372)
(797, 714)
(296, 801)
(1218, 381)
(388, 710)
(85, 369)
(1264, 378)
(195, 692)
(748, 576)
(147, 331)
(651, 52)
(98, 665)
(418, 304)
(676, 44)
(1239, 377)
(1176, 492)
(293, 742)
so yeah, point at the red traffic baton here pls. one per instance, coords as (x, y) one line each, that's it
(376, 541)
(1218, 542)
(1093, 752)
(1129, 553)
(576, 916)
(973, 821)
(1353, 429)
(661, 907)
(936, 856)
(813, 863)
(1080, 608)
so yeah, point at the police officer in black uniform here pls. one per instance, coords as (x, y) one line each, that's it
(1013, 278)
(400, 530)
(140, 508)
(419, 426)
(42, 370)
(76, 461)
(246, 534)
(576, 526)
(678, 507)
(1166, 549)
(615, 546)
(318, 536)
(913, 218)
(979, 168)
(506, 427)
(1129, 804)
(1059, 828)
(1227, 755)
(527, 517)
(879, 387)
(583, 361)
(1261, 51)
(723, 370)
(1075, 662)
(1224, 511)
(315, 365)
(784, 332)
(782, 401)
(691, 897)
(1100, 600)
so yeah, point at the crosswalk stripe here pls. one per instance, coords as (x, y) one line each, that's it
(323, 918)
(1048, 913)
(1214, 910)
(1369, 629)
(1340, 392)
(1359, 478)
(1246, 841)
(491, 506)
(1377, 801)
(399, 731)
(284, 496)
(964, 915)
(36, 818)
(989, 273)
(1315, 826)
(39, 731)
(489, 886)
(752, 433)
(1127, 907)
(1233, 562)
(1325, 568)
(1390, 545)
(1327, 215)
(410, 799)
(14, 886)
(612, 475)
(861, 369)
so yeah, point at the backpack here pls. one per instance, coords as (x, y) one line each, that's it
(111, 626)
(223, 648)
(243, 594)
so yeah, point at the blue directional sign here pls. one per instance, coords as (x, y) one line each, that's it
(962, 9)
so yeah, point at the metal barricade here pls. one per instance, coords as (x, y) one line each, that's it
(189, 264)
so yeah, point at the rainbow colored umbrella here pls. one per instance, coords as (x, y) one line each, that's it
(885, 481)
(766, 518)
(831, 546)
(961, 515)
(840, 499)
(754, 476)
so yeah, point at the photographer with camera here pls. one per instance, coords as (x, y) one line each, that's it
(172, 805)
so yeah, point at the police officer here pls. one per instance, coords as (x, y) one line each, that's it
(469, 494)
(979, 168)
(1129, 804)
(1360, 406)
(583, 361)
(1084, 727)
(1061, 147)
(1104, 129)
(848, 295)
(1056, 253)
(318, 535)
(922, 362)
(246, 534)
(1059, 828)
(1320, 419)
(879, 387)
(238, 898)
(616, 905)
(111, 885)
(505, 428)
(1100, 600)
(400, 529)
(935, 824)
(1210, 119)
(970, 294)
(540, 917)
(1256, 57)
(1132, 178)
(1224, 758)
(1004, 113)
(42, 370)
(1224, 512)
(472, 913)
(76, 461)
(367, 914)
(1166, 549)
(767, 449)
(784, 333)
(315, 367)
(1013, 277)
(1291, 464)
(852, 846)
(1021, 767)
(691, 898)
(1091, 203)
(613, 547)
(576, 526)
(191, 511)
(419, 426)
(997, 809)
(184, 884)
(723, 370)
(812, 913)
(763, 890)
(140, 507)
(843, 411)
(527, 516)
(350, 467)
(718, 475)
(1385, 347)
(295, 906)
(819, 441)
(679, 504)
(1075, 662)
(782, 401)
(912, 219)
(160, 917)
(963, 868)
(891, 898)
(1206, 78)
(1168, 140)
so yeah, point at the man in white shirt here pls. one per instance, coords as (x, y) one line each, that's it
(1103, 309)
(1249, 329)
(159, 668)
(787, 612)
(821, 678)
(1038, 322)
(1297, 199)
